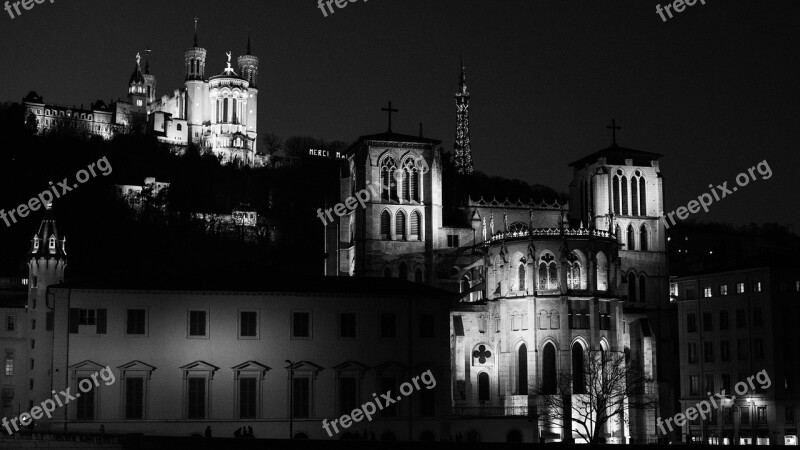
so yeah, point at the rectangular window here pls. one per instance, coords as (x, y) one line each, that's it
(691, 323)
(134, 398)
(388, 326)
(348, 394)
(136, 321)
(11, 322)
(707, 292)
(727, 415)
(758, 348)
(85, 407)
(741, 319)
(33, 324)
(708, 321)
(198, 324)
(708, 352)
(744, 415)
(301, 324)
(427, 326)
(694, 385)
(197, 398)
(756, 286)
(48, 321)
(301, 397)
(9, 363)
(757, 318)
(709, 383)
(761, 414)
(723, 289)
(87, 317)
(248, 398)
(348, 328)
(741, 348)
(724, 351)
(248, 324)
(427, 403)
(740, 288)
(692, 352)
(723, 320)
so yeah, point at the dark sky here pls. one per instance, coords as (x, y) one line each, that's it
(714, 89)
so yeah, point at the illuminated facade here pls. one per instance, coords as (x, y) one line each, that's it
(217, 113)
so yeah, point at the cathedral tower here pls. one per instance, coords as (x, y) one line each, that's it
(461, 147)
(149, 80)
(197, 109)
(248, 68)
(47, 260)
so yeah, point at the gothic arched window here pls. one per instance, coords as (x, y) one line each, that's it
(643, 244)
(52, 242)
(624, 189)
(483, 387)
(631, 238)
(400, 225)
(388, 183)
(631, 287)
(642, 197)
(522, 370)
(408, 170)
(544, 320)
(386, 225)
(578, 374)
(617, 206)
(415, 186)
(634, 196)
(548, 272)
(549, 369)
(416, 218)
(573, 272)
(521, 278)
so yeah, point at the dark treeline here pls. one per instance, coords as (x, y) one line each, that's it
(105, 238)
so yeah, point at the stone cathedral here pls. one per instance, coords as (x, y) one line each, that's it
(542, 285)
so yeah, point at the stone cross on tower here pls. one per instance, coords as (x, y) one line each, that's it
(614, 129)
(390, 110)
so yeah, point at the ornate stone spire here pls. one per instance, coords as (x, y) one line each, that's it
(461, 147)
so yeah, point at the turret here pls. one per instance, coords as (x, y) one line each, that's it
(137, 94)
(149, 80)
(197, 107)
(248, 67)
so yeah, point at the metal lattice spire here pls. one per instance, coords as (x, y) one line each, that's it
(461, 147)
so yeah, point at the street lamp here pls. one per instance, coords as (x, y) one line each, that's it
(291, 397)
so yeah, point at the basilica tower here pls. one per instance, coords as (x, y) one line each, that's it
(149, 79)
(197, 108)
(248, 68)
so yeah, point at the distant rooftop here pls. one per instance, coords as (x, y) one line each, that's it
(617, 155)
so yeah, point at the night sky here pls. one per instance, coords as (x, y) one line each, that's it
(715, 89)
